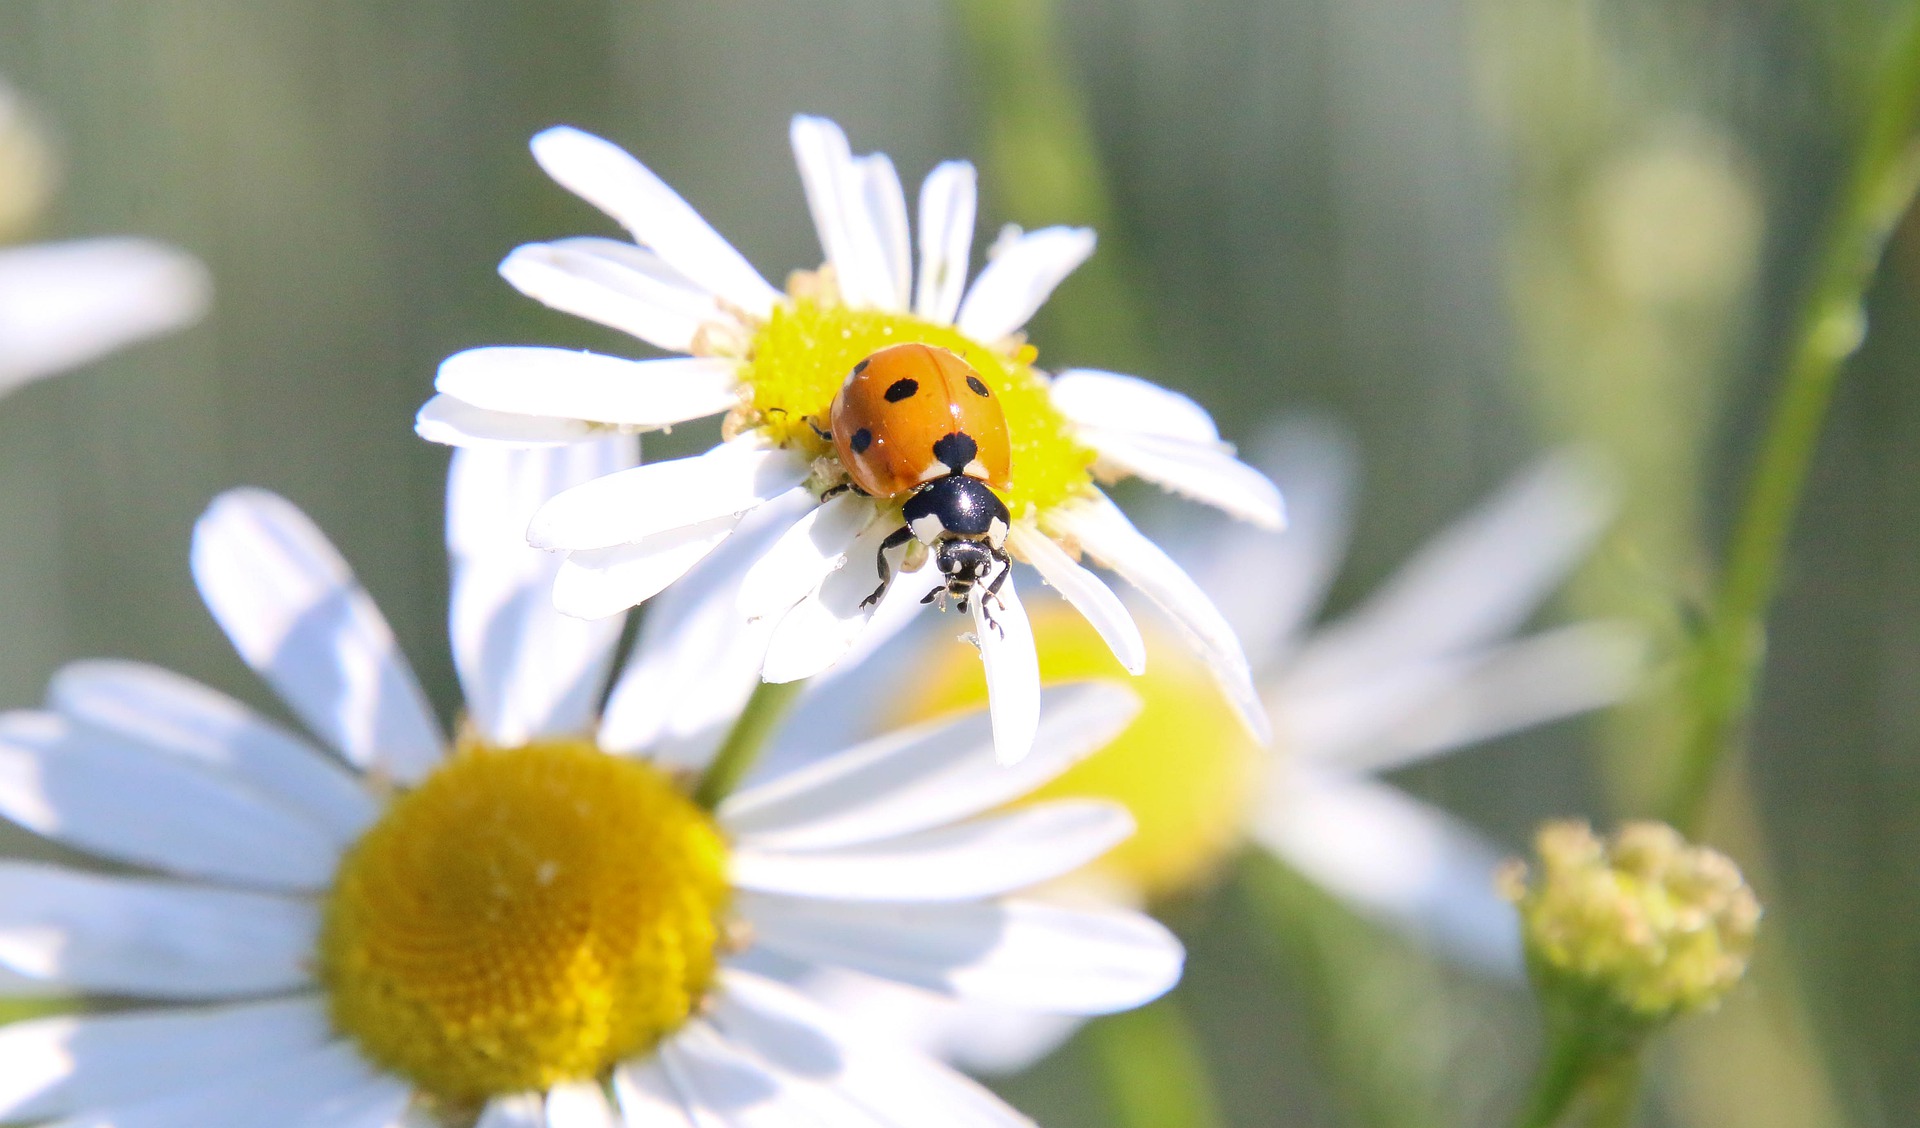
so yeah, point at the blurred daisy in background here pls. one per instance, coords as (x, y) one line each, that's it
(772, 361)
(65, 304)
(533, 922)
(1427, 665)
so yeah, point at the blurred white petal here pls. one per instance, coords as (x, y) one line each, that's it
(648, 1098)
(1017, 281)
(982, 1039)
(1394, 858)
(1008, 953)
(925, 776)
(1204, 472)
(607, 176)
(569, 384)
(154, 939)
(1087, 592)
(521, 1110)
(982, 858)
(116, 798)
(295, 613)
(1105, 534)
(580, 1104)
(853, 214)
(526, 670)
(947, 203)
(65, 304)
(1478, 580)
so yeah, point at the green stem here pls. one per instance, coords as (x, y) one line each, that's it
(1827, 329)
(1582, 1062)
(745, 741)
(1154, 1072)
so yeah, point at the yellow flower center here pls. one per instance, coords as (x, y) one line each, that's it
(797, 360)
(1185, 767)
(525, 917)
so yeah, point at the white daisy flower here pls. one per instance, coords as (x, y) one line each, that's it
(532, 924)
(65, 304)
(773, 361)
(1426, 666)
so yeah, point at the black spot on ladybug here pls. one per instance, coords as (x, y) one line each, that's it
(902, 389)
(862, 439)
(861, 367)
(956, 450)
(979, 389)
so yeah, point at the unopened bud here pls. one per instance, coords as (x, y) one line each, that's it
(1643, 925)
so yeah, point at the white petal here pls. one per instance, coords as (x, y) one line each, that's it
(65, 304)
(897, 1087)
(984, 1040)
(648, 1099)
(56, 1066)
(1542, 678)
(1105, 533)
(606, 176)
(1397, 859)
(1269, 587)
(947, 202)
(1206, 472)
(1109, 401)
(825, 626)
(596, 583)
(154, 939)
(295, 613)
(1010, 953)
(180, 717)
(850, 203)
(567, 384)
(617, 284)
(1013, 671)
(330, 1087)
(103, 793)
(795, 565)
(1087, 592)
(521, 1110)
(1017, 281)
(580, 1104)
(451, 422)
(697, 658)
(926, 776)
(629, 506)
(526, 669)
(726, 1087)
(982, 858)
(1477, 581)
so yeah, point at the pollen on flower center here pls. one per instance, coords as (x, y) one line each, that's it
(797, 360)
(525, 917)
(1186, 768)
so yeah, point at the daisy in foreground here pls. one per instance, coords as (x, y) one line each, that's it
(1427, 666)
(532, 924)
(65, 304)
(993, 452)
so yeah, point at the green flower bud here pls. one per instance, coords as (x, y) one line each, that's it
(1642, 928)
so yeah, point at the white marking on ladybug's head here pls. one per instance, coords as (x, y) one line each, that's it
(997, 533)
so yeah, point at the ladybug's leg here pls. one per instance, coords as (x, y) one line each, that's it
(843, 487)
(993, 593)
(895, 539)
(818, 430)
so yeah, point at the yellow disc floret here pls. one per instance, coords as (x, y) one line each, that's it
(798, 358)
(525, 917)
(1185, 768)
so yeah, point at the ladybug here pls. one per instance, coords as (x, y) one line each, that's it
(917, 420)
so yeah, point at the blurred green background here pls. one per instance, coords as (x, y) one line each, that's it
(1468, 229)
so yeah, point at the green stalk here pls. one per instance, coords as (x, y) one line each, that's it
(745, 741)
(1828, 328)
(1588, 1068)
(1154, 1072)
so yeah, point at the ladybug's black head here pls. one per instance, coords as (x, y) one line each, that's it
(963, 563)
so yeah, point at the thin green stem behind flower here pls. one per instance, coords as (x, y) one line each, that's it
(745, 741)
(1153, 1070)
(1830, 326)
